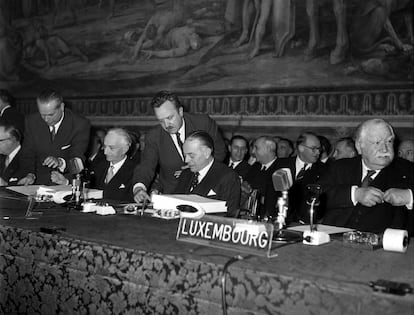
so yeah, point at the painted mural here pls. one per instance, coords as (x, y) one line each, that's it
(128, 47)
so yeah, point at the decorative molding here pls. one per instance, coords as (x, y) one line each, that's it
(324, 109)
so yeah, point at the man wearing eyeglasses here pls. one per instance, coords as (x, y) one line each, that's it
(373, 191)
(306, 169)
(10, 171)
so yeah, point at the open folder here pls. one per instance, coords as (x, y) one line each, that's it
(172, 201)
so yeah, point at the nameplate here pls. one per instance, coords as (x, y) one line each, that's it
(227, 233)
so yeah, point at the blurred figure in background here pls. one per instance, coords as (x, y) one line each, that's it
(285, 148)
(238, 149)
(8, 113)
(406, 150)
(344, 148)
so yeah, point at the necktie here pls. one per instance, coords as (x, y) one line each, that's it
(180, 143)
(263, 169)
(301, 172)
(53, 132)
(109, 174)
(367, 179)
(231, 165)
(194, 181)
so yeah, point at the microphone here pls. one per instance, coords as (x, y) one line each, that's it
(75, 166)
(282, 179)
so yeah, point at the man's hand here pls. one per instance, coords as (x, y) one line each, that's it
(369, 196)
(29, 179)
(141, 195)
(52, 162)
(397, 197)
(58, 178)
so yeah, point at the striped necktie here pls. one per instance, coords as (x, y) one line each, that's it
(109, 174)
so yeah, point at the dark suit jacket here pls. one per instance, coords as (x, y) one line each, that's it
(13, 172)
(71, 141)
(120, 186)
(161, 152)
(242, 168)
(13, 117)
(345, 173)
(221, 179)
(262, 181)
(298, 208)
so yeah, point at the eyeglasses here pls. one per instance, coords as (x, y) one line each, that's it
(313, 149)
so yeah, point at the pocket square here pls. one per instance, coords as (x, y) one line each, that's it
(13, 179)
(211, 193)
(65, 147)
(122, 186)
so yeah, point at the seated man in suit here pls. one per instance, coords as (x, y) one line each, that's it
(238, 149)
(306, 169)
(8, 113)
(52, 137)
(259, 176)
(113, 175)
(10, 171)
(370, 192)
(207, 177)
(163, 145)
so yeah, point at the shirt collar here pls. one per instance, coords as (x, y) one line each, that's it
(13, 153)
(365, 170)
(57, 125)
(268, 164)
(203, 172)
(2, 111)
(235, 163)
(119, 164)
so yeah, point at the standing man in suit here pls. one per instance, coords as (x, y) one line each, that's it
(238, 149)
(52, 137)
(10, 170)
(260, 174)
(306, 169)
(207, 177)
(163, 145)
(8, 113)
(370, 192)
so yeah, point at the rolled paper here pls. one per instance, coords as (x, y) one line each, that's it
(395, 240)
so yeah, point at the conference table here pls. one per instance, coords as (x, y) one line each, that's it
(62, 261)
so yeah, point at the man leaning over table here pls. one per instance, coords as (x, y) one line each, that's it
(207, 177)
(373, 191)
(52, 137)
(163, 145)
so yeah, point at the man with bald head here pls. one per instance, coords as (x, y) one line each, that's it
(370, 192)
(306, 169)
(52, 137)
(406, 150)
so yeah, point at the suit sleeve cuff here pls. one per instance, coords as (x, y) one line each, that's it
(139, 185)
(62, 167)
(410, 204)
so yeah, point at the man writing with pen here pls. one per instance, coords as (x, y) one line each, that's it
(163, 146)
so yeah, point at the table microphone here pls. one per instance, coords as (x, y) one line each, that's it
(75, 166)
(282, 179)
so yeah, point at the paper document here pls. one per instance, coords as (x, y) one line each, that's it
(322, 228)
(172, 201)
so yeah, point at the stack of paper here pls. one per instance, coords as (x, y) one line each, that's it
(172, 201)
